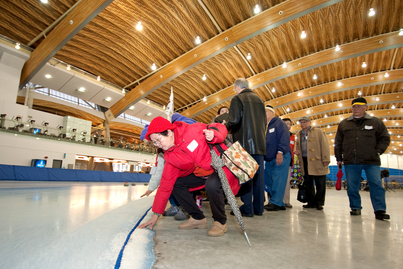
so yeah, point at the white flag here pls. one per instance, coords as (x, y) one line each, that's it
(170, 106)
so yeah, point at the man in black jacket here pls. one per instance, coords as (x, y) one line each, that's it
(247, 123)
(360, 140)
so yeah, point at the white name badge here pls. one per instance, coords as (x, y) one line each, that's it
(292, 142)
(368, 127)
(193, 145)
(271, 130)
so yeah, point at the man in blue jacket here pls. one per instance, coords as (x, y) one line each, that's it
(277, 160)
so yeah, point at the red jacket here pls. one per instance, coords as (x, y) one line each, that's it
(292, 144)
(190, 154)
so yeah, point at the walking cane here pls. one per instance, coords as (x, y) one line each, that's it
(218, 165)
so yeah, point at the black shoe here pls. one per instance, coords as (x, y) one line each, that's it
(282, 208)
(355, 212)
(381, 215)
(243, 214)
(319, 207)
(257, 213)
(308, 206)
(272, 207)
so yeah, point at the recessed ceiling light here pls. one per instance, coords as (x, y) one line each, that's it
(284, 65)
(68, 67)
(204, 98)
(17, 46)
(393, 107)
(372, 114)
(401, 32)
(249, 56)
(256, 9)
(321, 101)
(371, 12)
(198, 40)
(315, 76)
(48, 76)
(325, 115)
(386, 75)
(385, 120)
(149, 114)
(340, 104)
(98, 78)
(44, 1)
(273, 90)
(81, 89)
(123, 90)
(364, 64)
(359, 93)
(148, 102)
(307, 112)
(339, 83)
(377, 99)
(139, 27)
(288, 109)
(108, 99)
(131, 108)
(299, 94)
(303, 34)
(328, 126)
(337, 48)
(153, 67)
(204, 77)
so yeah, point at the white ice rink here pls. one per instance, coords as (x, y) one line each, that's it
(73, 225)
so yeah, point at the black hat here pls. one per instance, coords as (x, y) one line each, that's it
(359, 101)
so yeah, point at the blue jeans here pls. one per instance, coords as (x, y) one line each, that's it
(376, 190)
(276, 178)
(252, 192)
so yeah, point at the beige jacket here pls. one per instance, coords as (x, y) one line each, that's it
(318, 151)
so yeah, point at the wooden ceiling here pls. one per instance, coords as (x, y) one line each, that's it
(111, 47)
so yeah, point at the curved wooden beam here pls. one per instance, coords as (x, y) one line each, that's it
(248, 29)
(79, 17)
(351, 50)
(333, 87)
(340, 105)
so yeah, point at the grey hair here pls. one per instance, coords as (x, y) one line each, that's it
(242, 83)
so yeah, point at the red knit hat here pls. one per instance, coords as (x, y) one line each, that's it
(158, 125)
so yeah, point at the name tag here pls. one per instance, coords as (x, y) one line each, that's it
(292, 142)
(271, 130)
(192, 146)
(368, 127)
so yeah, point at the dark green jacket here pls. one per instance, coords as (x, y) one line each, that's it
(361, 143)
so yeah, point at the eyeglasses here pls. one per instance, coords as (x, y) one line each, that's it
(158, 141)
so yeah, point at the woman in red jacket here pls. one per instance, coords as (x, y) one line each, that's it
(188, 165)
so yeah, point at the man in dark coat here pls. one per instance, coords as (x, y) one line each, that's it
(247, 123)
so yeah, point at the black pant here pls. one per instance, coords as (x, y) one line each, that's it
(214, 192)
(320, 182)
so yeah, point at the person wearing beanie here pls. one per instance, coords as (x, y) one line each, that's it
(360, 140)
(188, 165)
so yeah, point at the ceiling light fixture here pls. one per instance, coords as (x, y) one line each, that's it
(372, 114)
(328, 126)
(337, 48)
(397, 124)
(364, 64)
(339, 83)
(325, 115)
(284, 65)
(148, 114)
(393, 107)
(153, 67)
(123, 90)
(401, 32)
(108, 99)
(48, 76)
(340, 104)
(17, 46)
(303, 35)
(315, 76)
(98, 78)
(256, 9)
(385, 120)
(68, 67)
(299, 94)
(288, 109)
(249, 56)
(307, 112)
(131, 108)
(198, 40)
(359, 93)
(204, 98)
(273, 90)
(81, 89)
(44, 1)
(204, 77)
(321, 101)
(139, 27)
(371, 12)
(377, 99)
(163, 107)
(148, 102)
(386, 75)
